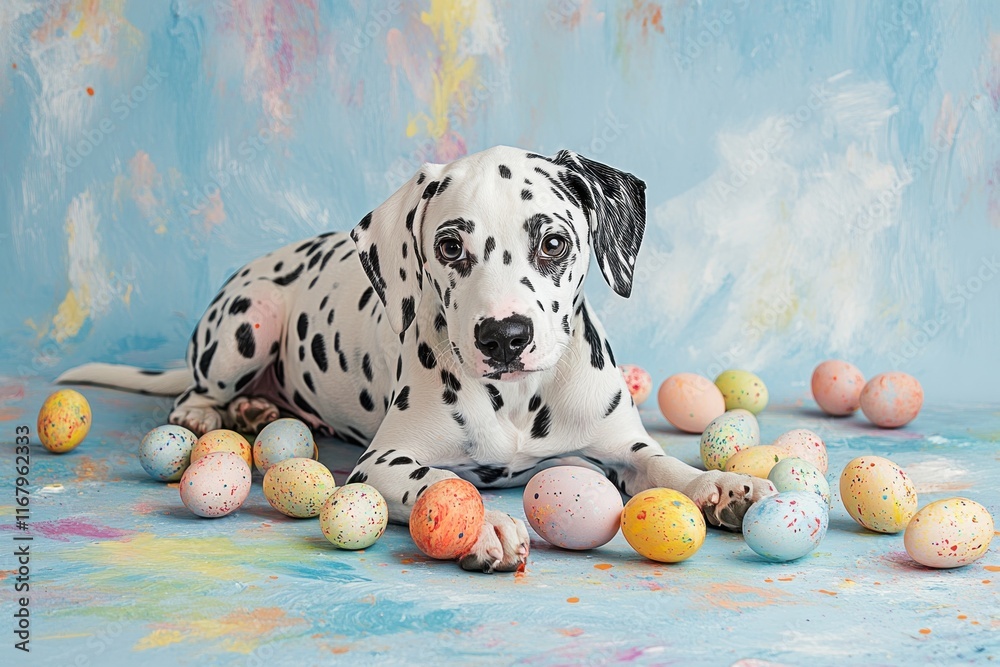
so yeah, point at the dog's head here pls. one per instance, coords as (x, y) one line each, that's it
(503, 239)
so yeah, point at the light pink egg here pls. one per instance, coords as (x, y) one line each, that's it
(216, 484)
(802, 443)
(639, 382)
(836, 387)
(892, 399)
(690, 402)
(573, 507)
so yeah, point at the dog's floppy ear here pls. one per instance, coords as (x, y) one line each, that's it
(388, 241)
(615, 204)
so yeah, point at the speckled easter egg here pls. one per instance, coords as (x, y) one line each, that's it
(949, 533)
(63, 421)
(298, 487)
(573, 507)
(836, 387)
(165, 452)
(802, 443)
(216, 484)
(446, 520)
(663, 525)
(690, 402)
(638, 381)
(891, 400)
(786, 526)
(742, 389)
(755, 461)
(878, 494)
(354, 516)
(727, 434)
(283, 439)
(222, 440)
(799, 475)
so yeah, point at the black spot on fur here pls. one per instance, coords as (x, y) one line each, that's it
(420, 473)
(449, 397)
(637, 446)
(565, 324)
(245, 341)
(318, 347)
(400, 461)
(343, 361)
(535, 401)
(146, 371)
(615, 400)
(365, 297)
(409, 310)
(543, 420)
(366, 367)
(489, 474)
(399, 367)
(507, 259)
(495, 397)
(279, 372)
(426, 356)
(402, 401)
(450, 380)
(444, 185)
(358, 478)
(329, 318)
(211, 315)
(303, 404)
(244, 381)
(611, 355)
(491, 244)
(240, 305)
(526, 195)
(290, 278)
(527, 283)
(381, 459)
(459, 419)
(302, 326)
(430, 190)
(205, 362)
(406, 494)
(274, 349)
(440, 323)
(594, 340)
(365, 222)
(277, 267)
(365, 399)
(307, 378)
(504, 171)
(364, 457)
(555, 306)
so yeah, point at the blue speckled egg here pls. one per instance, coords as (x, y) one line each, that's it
(165, 452)
(799, 475)
(786, 526)
(281, 440)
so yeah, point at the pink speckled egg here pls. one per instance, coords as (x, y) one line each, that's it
(638, 381)
(802, 443)
(216, 484)
(573, 507)
(892, 399)
(690, 402)
(836, 387)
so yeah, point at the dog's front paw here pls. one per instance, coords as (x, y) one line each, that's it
(502, 545)
(197, 420)
(724, 497)
(251, 414)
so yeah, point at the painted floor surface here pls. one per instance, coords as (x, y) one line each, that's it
(121, 573)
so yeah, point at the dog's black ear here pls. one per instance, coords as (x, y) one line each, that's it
(388, 241)
(615, 204)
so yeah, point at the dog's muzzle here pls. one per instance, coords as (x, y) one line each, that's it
(503, 341)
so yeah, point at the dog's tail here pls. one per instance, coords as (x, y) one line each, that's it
(129, 378)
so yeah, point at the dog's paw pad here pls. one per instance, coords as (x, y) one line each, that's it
(503, 545)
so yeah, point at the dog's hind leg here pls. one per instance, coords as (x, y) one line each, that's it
(233, 344)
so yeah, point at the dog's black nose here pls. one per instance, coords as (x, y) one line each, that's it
(504, 340)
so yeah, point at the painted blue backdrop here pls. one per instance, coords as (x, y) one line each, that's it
(823, 177)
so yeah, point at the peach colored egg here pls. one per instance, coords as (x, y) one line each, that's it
(755, 461)
(690, 402)
(638, 381)
(446, 520)
(222, 440)
(216, 484)
(878, 494)
(949, 533)
(802, 443)
(836, 387)
(892, 399)
(573, 507)
(63, 421)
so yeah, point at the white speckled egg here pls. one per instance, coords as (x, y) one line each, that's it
(878, 494)
(727, 434)
(165, 452)
(354, 517)
(638, 381)
(949, 533)
(802, 443)
(799, 475)
(216, 484)
(573, 507)
(298, 487)
(786, 526)
(282, 439)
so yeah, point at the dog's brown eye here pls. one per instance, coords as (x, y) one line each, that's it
(450, 250)
(554, 246)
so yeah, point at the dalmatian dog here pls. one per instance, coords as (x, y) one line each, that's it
(449, 334)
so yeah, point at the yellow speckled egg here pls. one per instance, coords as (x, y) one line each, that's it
(222, 440)
(690, 402)
(878, 494)
(949, 533)
(663, 525)
(354, 516)
(728, 433)
(298, 487)
(802, 443)
(891, 400)
(64, 421)
(742, 389)
(755, 461)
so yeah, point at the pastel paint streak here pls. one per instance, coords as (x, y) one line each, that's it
(241, 631)
(144, 187)
(62, 530)
(938, 475)
(738, 597)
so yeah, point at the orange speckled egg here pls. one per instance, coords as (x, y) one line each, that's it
(222, 440)
(446, 519)
(64, 421)
(755, 461)
(949, 533)
(690, 402)
(836, 387)
(878, 494)
(638, 381)
(892, 399)
(801, 443)
(663, 525)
